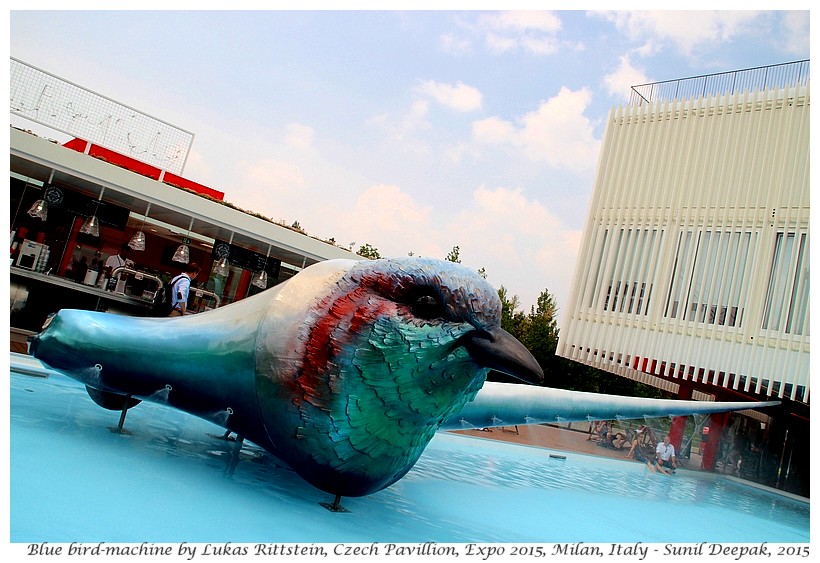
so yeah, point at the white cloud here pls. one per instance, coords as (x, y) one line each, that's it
(521, 244)
(543, 21)
(274, 175)
(533, 32)
(796, 35)
(414, 119)
(455, 45)
(619, 82)
(268, 186)
(557, 132)
(458, 152)
(498, 43)
(503, 231)
(299, 136)
(540, 46)
(459, 96)
(386, 208)
(688, 30)
(197, 166)
(493, 130)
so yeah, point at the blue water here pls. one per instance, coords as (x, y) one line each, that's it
(170, 479)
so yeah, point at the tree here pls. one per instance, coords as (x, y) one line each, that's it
(452, 256)
(511, 320)
(541, 336)
(369, 252)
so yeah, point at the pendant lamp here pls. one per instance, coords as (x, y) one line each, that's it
(92, 224)
(50, 195)
(222, 265)
(137, 241)
(39, 209)
(260, 280)
(183, 253)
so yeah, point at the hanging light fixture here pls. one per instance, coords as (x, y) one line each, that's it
(39, 209)
(92, 224)
(223, 251)
(183, 253)
(260, 280)
(222, 266)
(137, 241)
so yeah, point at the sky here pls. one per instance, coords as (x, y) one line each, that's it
(412, 131)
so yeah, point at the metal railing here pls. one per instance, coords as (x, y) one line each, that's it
(204, 293)
(115, 273)
(198, 292)
(795, 73)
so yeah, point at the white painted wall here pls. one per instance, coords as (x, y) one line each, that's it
(696, 250)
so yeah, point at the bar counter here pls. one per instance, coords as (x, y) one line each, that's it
(35, 295)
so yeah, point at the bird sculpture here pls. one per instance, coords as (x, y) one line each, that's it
(345, 371)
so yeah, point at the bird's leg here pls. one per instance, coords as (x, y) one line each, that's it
(336, 505)
(125, 406)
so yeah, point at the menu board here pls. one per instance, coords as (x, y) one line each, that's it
(107, 213)
(247, 259)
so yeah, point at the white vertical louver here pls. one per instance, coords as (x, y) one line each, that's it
(695, 259)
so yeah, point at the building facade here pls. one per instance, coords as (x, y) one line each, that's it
(111, 188)
(693, 275)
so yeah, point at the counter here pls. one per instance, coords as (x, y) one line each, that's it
(35, 295)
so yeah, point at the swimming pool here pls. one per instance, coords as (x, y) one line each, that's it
(169, 478)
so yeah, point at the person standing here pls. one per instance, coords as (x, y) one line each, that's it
(115, 261)
(181, 285)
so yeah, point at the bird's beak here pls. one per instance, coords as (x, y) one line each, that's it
(497, 349)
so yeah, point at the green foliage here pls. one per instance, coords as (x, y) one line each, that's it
(511, 320)
(452, 256)
(369, 252)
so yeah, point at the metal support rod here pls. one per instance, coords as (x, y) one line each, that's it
(124, 411)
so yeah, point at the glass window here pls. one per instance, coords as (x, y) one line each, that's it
(787, 296)
(625, 270)
(708, 277)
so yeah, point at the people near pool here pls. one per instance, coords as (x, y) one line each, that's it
(618, 440)
(665, 460)
(639, 435)
(643, 445)
(599, 431)
(604, 433)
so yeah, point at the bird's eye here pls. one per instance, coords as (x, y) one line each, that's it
(427, 307)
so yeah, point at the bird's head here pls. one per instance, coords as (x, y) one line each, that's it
(393, 349)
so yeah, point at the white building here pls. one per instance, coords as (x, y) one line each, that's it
(693, 274)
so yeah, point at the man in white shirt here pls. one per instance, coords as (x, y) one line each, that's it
(115, 261)
(665, 454)
(181, 286)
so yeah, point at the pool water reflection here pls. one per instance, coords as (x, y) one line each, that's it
(170, 478)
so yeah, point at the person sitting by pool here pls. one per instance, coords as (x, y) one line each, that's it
(615, 439)
(599, 431)
(640, 436)
(665, 461)
(619, 440)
